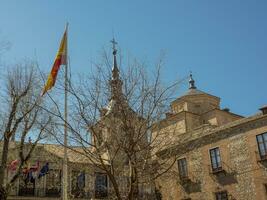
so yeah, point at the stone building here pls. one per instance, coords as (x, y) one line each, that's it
(85, 180)
(220, 155)
(113, 132)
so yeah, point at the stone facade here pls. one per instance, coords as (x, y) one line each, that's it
(50, 185)
(121, 134)
(217, 151)
(240, 171)
(117, 157)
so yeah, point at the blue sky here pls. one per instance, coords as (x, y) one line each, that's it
(224, 43)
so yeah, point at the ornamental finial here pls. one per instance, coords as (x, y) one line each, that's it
(191, 82)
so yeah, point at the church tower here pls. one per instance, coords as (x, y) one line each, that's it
(121, 135)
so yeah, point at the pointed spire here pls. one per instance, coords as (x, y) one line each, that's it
(115, 70)
(115, 83)
(191, 82)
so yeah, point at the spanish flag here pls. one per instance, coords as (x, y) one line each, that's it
(61, 59)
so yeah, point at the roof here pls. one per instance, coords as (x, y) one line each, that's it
(191, 92)
(208, 134)
(193, 89)
(75, 154)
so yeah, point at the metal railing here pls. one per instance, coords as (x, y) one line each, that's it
(259, 157)
(216, 170)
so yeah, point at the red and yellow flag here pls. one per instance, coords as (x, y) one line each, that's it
(61, 59)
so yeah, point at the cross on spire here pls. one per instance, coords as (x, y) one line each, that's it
(114, 46)
(116, 83)
(115, 70)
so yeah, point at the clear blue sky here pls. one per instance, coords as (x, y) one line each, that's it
(224, 43)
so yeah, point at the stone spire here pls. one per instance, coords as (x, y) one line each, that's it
(191, 82)
(115, 82)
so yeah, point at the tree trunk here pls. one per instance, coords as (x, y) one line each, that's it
(3, 193)
(115, 187)
(4, 162)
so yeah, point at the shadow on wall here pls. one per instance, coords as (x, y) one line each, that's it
(190, 186)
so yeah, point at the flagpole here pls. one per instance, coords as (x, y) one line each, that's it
(65, 161)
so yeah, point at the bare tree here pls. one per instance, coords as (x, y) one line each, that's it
(21, 117)
(119, 111)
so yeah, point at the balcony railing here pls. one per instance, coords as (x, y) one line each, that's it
(261, 158)
(184, 178)
(26, 192)
(217, 170)
(55, 193)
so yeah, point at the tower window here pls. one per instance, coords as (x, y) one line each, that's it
(101, 185)
(265, 187)
(223, 195)
(182, 167)
(262, 145)
(215, 158)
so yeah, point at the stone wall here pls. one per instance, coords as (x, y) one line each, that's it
(243, 177)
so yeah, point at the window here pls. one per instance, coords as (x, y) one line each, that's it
(262, 145)
(78, 184)
(223, 195)
(215, 158)
(265, 187)
(149, 136)
(101, 185)
(53, 183)
(182, 167)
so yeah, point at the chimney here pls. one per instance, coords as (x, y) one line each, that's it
(263, 110)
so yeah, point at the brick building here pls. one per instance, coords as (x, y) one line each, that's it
(220, 155)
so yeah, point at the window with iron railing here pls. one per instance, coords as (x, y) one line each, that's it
(182, 167)
(262, 145)
(78, 184)
(223, 195)
(101, 185)
(215, 157)
(53, 183)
